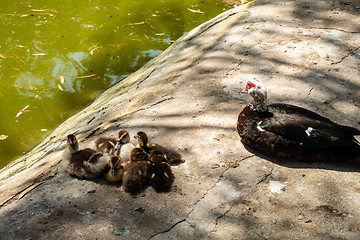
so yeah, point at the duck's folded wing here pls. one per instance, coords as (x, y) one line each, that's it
(308, 132)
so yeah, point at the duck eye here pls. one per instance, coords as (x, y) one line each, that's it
(250, 85)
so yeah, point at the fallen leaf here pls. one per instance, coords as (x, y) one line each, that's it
(88, 25)
(21, 111)
(59, 86)
(62, 79)
(138, 23)
(195, 11)
(18, 114)
(2, 56)
(3, 137)
(94, 48)
(92, 75)
(116, 45)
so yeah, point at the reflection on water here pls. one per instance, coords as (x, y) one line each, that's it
(57, 56)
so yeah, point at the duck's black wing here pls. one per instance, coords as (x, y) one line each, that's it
(305, 128)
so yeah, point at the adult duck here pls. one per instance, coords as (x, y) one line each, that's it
(289, 131)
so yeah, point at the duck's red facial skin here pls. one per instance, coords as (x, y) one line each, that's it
(250, 85)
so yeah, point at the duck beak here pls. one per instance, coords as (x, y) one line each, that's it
(117, 146)
(135, 137)
(113, 171)
(243, 91)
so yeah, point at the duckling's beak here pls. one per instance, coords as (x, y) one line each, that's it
(113, 171)
(135, 137)
(118, 144)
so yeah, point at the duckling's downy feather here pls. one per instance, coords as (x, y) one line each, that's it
(85, 163)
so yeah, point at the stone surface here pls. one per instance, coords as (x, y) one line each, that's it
(306, 53)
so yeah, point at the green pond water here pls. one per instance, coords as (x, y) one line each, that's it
(57, 56)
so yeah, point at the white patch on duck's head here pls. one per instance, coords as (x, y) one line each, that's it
(308, 131)
(257, 90)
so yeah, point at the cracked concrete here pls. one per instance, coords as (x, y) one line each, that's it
(187, 99)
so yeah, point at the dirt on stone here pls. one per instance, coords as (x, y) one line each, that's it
(187, 99)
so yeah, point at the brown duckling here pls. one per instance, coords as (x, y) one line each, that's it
(116, 171)
(123, 146)
(161, 176)
(135, 172)
(172, 156)
(105, 145)
(84, 163)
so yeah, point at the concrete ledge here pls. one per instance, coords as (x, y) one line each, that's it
(306, 53)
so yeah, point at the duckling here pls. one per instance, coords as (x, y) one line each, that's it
(85, 163)
(123, 146)
(173, 157)
(105, 145)
(135, 172)
(143, 139)
(116, 172)
(161, 178)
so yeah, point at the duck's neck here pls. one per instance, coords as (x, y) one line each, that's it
(259, 102)
(143, 143)
(73, 149)
(258, 106)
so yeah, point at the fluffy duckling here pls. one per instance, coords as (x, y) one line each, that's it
(161, 176)
(143, 139)
(172, 156)
(135, 172)
(116, 172)
(105, 145)
(85, 163)
(123, 146)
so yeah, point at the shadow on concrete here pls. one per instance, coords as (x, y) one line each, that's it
(51, 211)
